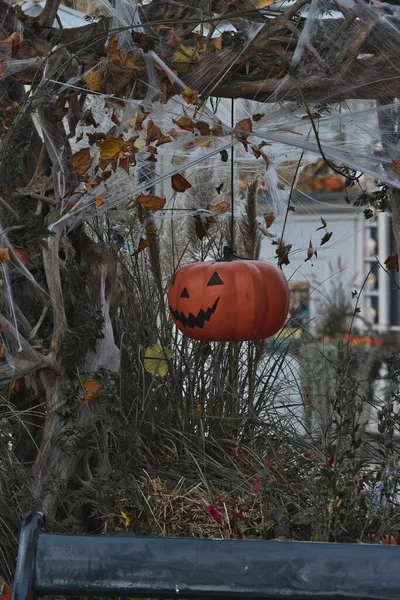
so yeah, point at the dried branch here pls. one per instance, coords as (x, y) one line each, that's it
(48, 14)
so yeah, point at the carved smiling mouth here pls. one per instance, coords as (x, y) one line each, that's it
(193, 321)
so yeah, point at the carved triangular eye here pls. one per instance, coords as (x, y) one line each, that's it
(185, 293)
(215, 279)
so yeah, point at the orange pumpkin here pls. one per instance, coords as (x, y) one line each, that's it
(230, 300)
(333, 184)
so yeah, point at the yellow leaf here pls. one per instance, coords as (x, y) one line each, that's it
(111, 147)
(99, 201)
(4, 255)
(126, 519)
(93, 80)
(81, 161)
(184, 54)
(156, 360)
(221, 207)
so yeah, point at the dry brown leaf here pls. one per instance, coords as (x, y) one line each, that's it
(129, 62)
(179, 183)
(258, 152)
(282, 253)
(151, 202)
(203, 127)
(140, 117)
(224, 155)
(4, 255)
(323, 224)
(219, 188)
(153, 133)
(217, 128)
(22, 254)
(220, 207)
(218, 43)
(91, 387)
(2, 355)
(81, 161)
(392, 262)
(396, 165)
(185, 123)
(99, 201)
(190, 96)
(243, 128)
(14, 41)
(164, 139)
(14, 388)
(313, 115)
(269, 218)
(113, 51)
(247, 67)
(310, 251)
(142, 245)
(93, 80)
(258, 117)
(326, 238)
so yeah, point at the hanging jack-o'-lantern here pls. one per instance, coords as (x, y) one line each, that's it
(229, 300)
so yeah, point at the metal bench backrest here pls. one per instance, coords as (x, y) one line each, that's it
(52, 564)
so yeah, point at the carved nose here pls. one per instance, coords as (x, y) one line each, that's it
(184, 293)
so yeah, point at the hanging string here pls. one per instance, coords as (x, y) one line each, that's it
(232, 179)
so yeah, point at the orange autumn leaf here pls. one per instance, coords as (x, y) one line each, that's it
(93, 80)
(396, 165)
(220, 207)
(218, 43)
(179, 183)
(91, 387)
(190, 96)
(14, 41)
(142, 245)
(258, 152)
(22, 254)
(81, 161)
(99, 201)
(113, 51)
(151, 202)
(269, 218)
(4, 255)
(5, 591)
